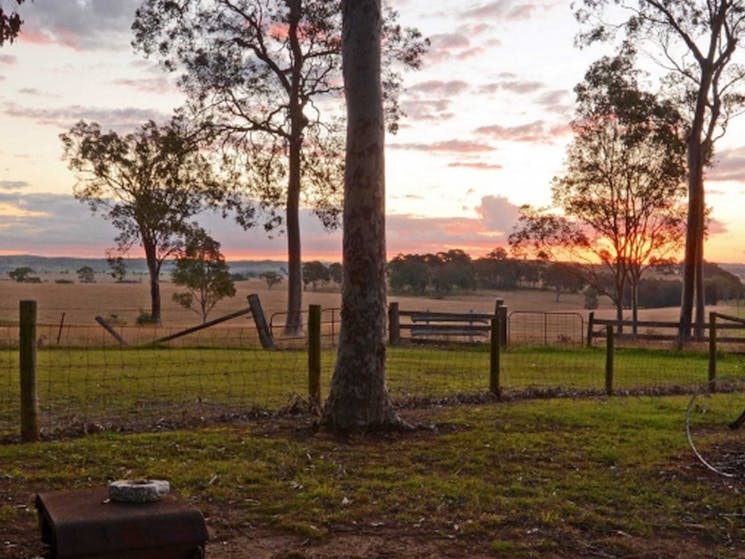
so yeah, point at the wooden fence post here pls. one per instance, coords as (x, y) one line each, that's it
(314, 356)
(501, 312)
(590, 326)
(27, 348)
(495, 358)
(265, 334)
(609, 351)
(712, 352)
(394, 325)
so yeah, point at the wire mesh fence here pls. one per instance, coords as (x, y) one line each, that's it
(87, 381)
(546, 328)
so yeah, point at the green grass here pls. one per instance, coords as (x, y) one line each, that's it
(558, 478)
(122, 386)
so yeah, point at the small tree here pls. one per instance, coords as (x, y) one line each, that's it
(271, 278)
(118, 267)
(336, 272)
(149, 184)
(86, 275)
(562, 277)
(621, 194)
(315, 272)
(202, 270)
(21, 274)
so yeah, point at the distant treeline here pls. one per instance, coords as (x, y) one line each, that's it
(443, 273)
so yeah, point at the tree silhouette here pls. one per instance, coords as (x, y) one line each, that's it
(150, 184)
(696, 41)
(263, 75)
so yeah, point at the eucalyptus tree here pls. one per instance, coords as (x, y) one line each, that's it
(358, 398)
(149, 183)
(696, 42)
(202, 271)
(622, 190)
(263, 75)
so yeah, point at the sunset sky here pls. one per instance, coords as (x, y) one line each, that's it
(486, 131)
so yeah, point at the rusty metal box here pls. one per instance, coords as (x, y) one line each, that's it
(85, 524)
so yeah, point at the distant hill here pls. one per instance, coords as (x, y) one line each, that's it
(64, 264)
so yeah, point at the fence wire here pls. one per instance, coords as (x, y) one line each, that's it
(88, 382)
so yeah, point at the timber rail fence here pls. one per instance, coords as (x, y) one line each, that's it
(78, 379)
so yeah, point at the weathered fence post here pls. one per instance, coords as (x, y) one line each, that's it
(495, 358)
(27, 348)
(265, 334)
(712, 352)
(501, 312)
(609, 351)
(394, 325)
(590, 326)
(314, 355)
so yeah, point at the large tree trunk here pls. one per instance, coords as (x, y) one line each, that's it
(298, 122)
(294, 323)
(153, 268)
(358, 399)
(694, 249)
(693, 264)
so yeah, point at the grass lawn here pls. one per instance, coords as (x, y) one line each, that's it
(547, 478)
(135, 388)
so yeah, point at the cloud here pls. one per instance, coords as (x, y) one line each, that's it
(449, 41)
(729, 165)
(503, 10)
(498, 214)
(454, 146)
(64, 117)
(511, 84)
(8, 59)
(445, 46)
(553, 97)
(407, 233)
(13, 185)
(81, 25)
(438, 87)
(536, 131)
(159, 84)
(33, 92)
(58, 225)
(434, 110)
(479, 165)
(716, 227)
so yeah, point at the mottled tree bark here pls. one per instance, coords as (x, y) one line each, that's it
(153, 267)
(358, 398)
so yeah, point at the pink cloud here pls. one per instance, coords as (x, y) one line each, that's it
(479, 165)
(454, 146)
(439, 87)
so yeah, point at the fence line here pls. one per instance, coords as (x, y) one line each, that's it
(88, 382)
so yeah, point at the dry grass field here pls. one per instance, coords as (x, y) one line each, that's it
(81, 303)
(67, 312)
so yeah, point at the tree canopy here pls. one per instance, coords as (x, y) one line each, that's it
(201, 269)
(621, 191)
(696, 42)
(264, 75)
(150, 184)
